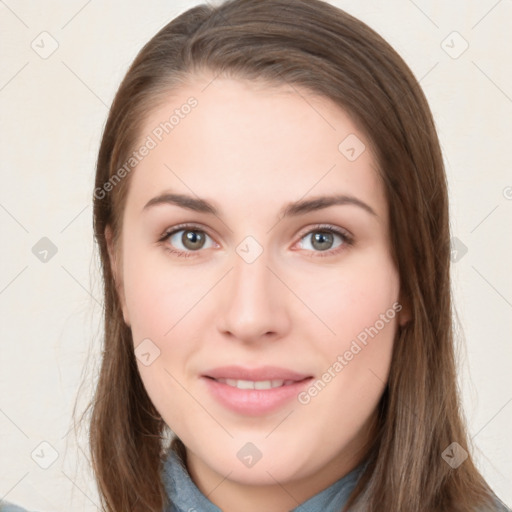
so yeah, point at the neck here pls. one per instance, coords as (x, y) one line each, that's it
(233, 496)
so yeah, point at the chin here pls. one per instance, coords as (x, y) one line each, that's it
(274, 465)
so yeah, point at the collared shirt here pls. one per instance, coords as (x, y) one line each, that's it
(185, 496)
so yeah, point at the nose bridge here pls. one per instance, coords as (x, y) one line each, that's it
(251, 279)
(256, 301)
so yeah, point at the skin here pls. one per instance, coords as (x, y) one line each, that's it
(250, 149)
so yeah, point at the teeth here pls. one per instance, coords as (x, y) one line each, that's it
(251, 384)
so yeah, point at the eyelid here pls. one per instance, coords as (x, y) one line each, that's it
(301, 234)
(180, 227)
(327, 227)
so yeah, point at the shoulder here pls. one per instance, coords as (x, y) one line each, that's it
(5, 506)
(499, 506)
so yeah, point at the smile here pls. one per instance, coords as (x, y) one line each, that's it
(259, 384)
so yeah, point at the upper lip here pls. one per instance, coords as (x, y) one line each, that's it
(255, 374)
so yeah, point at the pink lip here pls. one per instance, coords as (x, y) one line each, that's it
(261, 373)
(254, 402)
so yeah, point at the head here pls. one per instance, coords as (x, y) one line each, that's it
(261, 113)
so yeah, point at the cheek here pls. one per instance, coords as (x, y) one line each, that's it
(360, 306)
(160, 301)
(159, 295)
(354, 298)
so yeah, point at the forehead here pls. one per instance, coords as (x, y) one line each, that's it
(269, 144)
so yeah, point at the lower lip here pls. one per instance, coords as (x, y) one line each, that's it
(254, 402)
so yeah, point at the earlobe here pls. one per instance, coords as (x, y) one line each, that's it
(404, 315)
(112, 254)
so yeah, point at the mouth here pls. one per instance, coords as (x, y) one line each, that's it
(255, 384)
(260, 374)
(254, 391)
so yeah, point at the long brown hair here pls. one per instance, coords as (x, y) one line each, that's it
(315, 46)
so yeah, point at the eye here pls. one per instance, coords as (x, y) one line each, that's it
(186, 239)
(322, 239)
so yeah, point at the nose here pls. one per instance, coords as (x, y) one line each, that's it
(253, 306)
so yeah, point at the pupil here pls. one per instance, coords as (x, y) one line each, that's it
(321, 237)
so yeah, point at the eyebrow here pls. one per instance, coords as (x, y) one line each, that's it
(292, 209)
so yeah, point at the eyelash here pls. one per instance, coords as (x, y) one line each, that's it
(347, 240)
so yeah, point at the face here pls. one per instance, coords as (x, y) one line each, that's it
(264, 307)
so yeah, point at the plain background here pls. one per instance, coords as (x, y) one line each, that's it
(53, 113)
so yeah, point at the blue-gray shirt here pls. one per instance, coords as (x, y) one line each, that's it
(185, 496)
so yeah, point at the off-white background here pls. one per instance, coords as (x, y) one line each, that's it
(53, 112)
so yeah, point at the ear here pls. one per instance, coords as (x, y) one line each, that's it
(404, 315)
(116, 272)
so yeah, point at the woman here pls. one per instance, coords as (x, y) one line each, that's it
(272, 216)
